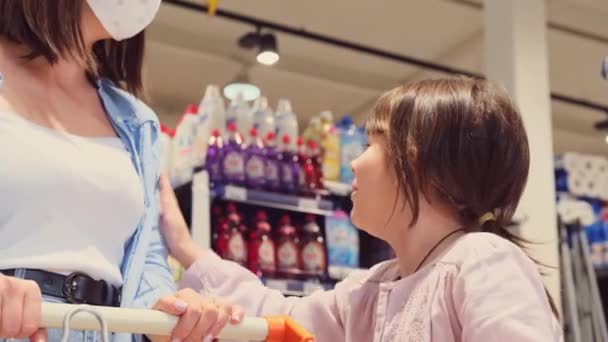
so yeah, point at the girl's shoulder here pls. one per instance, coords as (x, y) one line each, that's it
(485, 260)
(492, 277)
(481, 247)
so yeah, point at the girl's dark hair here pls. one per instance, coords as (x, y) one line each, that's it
(52, 29)
(460, 140)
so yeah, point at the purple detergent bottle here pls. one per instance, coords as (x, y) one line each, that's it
(255, 161)
(213, 161)
(273, 182)
(234, 157)
(289, 168)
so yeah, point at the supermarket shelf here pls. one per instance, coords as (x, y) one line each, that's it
(337, 188)
(292, 287)
(601, 272)
(316, 206)
(339, 272)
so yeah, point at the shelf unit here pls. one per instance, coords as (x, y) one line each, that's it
(196, 198)
(291, 287)
(317, 206)
(601, 272)
(337, 188)
(202, 197)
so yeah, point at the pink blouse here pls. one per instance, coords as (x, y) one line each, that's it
(483, 288)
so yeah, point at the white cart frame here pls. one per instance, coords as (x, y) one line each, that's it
(152, 322)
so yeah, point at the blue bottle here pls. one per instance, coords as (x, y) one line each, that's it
(352, 145)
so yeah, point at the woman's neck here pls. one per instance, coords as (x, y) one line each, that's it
(63, 74)
(413, 244)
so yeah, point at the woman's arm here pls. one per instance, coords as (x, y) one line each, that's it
(157, 280)
(199, 318)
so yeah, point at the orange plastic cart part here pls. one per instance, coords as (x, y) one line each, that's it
(284, 329)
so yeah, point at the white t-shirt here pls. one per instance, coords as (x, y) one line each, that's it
(67, 203)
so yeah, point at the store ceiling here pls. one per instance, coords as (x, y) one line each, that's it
(188, 50)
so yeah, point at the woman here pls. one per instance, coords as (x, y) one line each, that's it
(446, 166)
(78, 211)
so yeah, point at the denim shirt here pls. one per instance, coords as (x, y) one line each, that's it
(144, 268)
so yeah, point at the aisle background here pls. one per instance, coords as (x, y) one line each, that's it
(186, 51)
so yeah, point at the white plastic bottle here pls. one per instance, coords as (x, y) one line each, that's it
(287, 122)
(182, 147)
(313, 131)
(210, 111)
(213, 104)
(240, 113)
(263, 117)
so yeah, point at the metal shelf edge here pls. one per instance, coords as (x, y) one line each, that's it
(274, 200)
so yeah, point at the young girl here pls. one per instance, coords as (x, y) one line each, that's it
(446, 166)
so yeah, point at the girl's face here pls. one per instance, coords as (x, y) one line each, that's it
(375, 188)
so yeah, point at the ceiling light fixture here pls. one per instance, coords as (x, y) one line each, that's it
(268, 52)
(243, 85)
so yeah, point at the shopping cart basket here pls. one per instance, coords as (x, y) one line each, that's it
(152, 322)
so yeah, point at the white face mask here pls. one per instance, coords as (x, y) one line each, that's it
(124, 19)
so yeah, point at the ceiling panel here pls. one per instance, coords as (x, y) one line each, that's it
(189, 50)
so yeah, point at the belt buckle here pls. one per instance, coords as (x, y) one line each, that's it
(70, 285)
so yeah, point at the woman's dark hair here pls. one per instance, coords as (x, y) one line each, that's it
(461, 141)
(52, 30)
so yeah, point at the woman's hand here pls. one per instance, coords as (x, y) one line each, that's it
(201, 318)
(175, 229)
(20, 309)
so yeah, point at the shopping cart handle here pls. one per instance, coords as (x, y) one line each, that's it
(153, 322)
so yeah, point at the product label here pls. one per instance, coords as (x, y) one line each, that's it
(286, 174)
(331, 159)
(266, 255)
(255, 167)
(302, 179)
(350, 152)
(342, 236)
(234, 164)
(236, 249)
(313, 257)
(214, 171)
(288, 255)
(342, 243)
(272, 171)
(183, 158)
(331, 171)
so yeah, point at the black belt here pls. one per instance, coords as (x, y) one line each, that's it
(75, 288)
